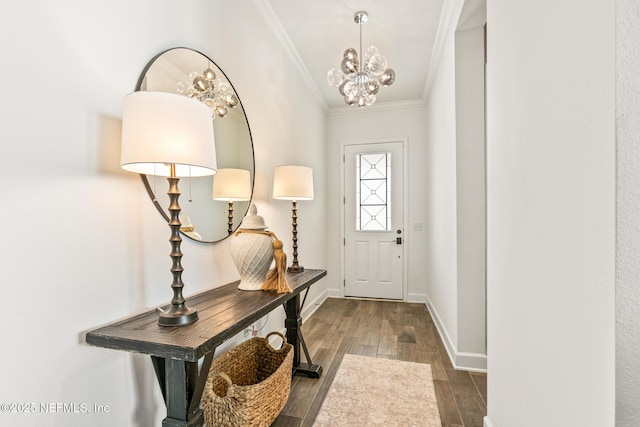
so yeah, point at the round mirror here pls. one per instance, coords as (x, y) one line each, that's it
(208, 214)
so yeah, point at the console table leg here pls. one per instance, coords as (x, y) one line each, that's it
(182, 387)
(293, 323)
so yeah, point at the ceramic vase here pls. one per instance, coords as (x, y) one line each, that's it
(251, 251)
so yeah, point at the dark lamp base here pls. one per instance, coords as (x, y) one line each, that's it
(295, 269)
(178, 318)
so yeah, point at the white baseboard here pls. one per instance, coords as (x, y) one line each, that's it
(312, 306)
(335, 293)
(474, 362)
(487, 422)
(448, 344)
(417, 298)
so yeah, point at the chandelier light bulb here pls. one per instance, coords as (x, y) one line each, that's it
(360, 75)
(372, 87)
(349, 66)
(221, 110)
(387, 77)
(371, 50)
(341, 88)
(369, 100)
(231, 100)
(200, 83)
(335, 77)
(351, 54)
(377, 64)
(209, 74)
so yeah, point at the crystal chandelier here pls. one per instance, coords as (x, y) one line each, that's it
(357, 80)
(217, 94)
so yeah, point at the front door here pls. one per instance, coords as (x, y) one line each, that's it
(374, 200)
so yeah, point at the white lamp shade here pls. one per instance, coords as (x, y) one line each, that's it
(293, 183)
(160, 129)
(232, 185)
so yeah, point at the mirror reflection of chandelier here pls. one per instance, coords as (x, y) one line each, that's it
(357, 80)
(209, 89)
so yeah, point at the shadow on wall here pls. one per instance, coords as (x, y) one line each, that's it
(144, 379)
(108, 134)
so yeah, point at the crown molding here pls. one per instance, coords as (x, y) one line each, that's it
(382, 106)
(451, 10)
(272, 20)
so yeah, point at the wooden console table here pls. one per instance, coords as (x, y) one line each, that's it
(175, 351)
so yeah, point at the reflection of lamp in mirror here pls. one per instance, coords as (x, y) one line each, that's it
(293, 183)
(169, 135)
(232, 185)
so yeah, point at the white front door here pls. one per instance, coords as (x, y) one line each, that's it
(374, 228)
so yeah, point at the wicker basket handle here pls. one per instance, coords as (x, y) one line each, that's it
(284, 340)
(224, 377)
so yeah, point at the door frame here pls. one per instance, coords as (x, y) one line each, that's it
(405, 208)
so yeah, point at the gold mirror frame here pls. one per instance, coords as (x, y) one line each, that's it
(234, 149)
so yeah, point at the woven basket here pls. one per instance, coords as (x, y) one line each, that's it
(249, 385)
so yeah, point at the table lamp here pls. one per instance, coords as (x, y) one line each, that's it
(293, 183)
(232, 185)
(170, 135)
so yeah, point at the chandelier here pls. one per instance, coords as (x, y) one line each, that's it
(357, 80)
(215, 93)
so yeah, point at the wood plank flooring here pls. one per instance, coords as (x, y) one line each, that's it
(383, 329)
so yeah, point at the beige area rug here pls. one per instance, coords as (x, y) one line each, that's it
(367, 391)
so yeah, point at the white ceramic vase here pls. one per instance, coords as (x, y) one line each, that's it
(252, 252)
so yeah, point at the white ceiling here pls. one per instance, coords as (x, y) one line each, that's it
(318, 32)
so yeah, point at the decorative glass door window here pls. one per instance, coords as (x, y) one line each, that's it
(373, 192)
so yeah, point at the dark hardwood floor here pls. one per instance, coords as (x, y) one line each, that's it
(384, 329)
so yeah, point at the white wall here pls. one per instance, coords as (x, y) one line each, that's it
(551, 212)
(628, 209)
(83, 243)
(441, 266)
(471, 195)
(361, 127)
(455, 268)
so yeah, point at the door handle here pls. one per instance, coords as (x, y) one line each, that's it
(398, 240)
